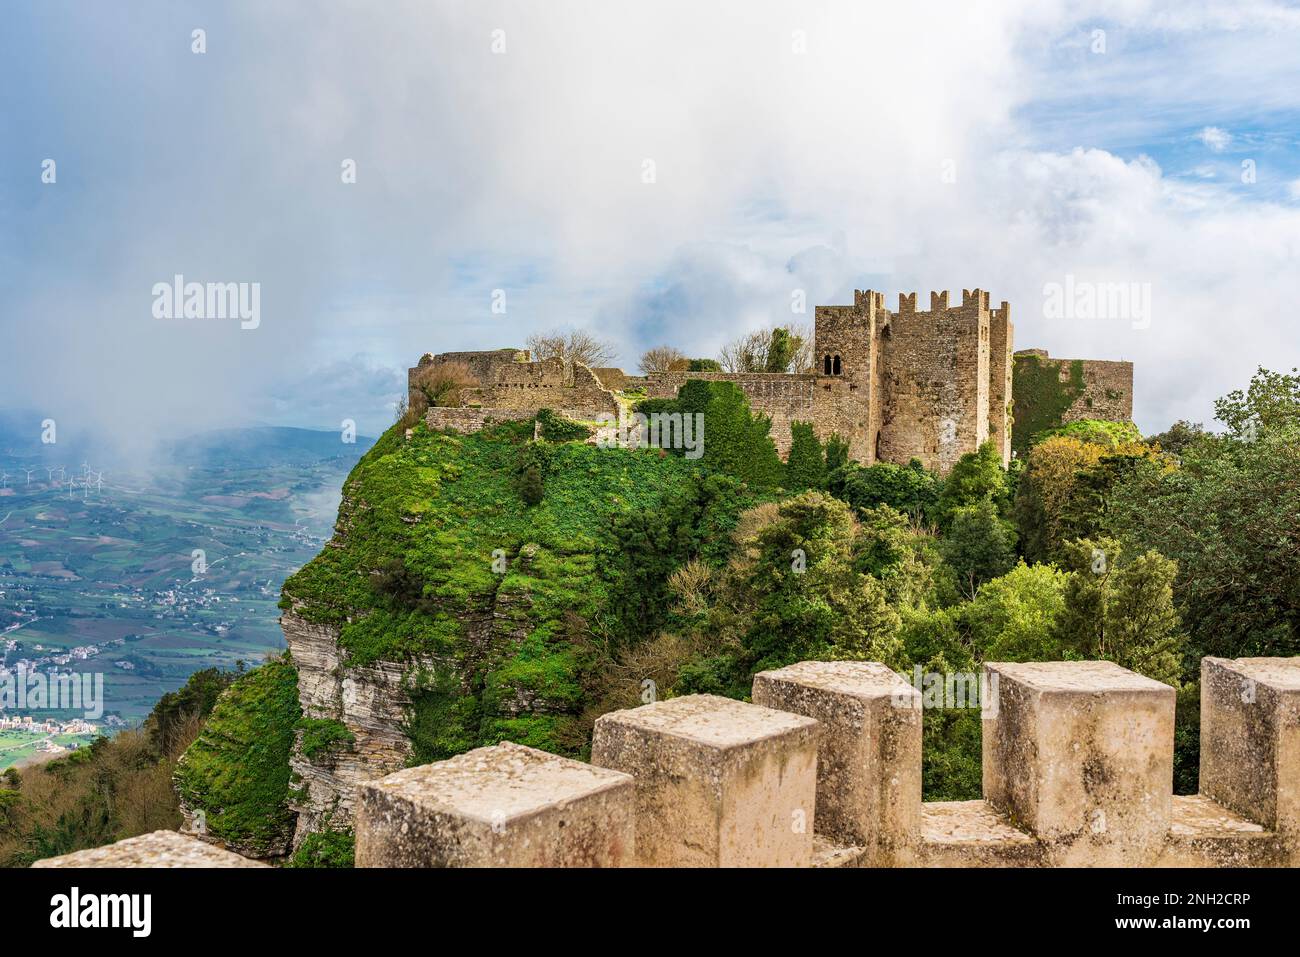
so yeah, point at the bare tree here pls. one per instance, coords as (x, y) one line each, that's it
(662, 359)
(752, 352)
(440, 383)
(577, 345)
(805, 354)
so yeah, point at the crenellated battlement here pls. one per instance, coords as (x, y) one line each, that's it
(823, 769)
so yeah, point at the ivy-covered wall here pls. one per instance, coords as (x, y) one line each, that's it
(1048, 393)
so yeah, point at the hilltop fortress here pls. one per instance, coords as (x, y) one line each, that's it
(896, 385)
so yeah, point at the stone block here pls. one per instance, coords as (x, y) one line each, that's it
(719, 783)
(502, 806)
(1080, 753)
(1250, 738)
(157, 849)
(869, 758)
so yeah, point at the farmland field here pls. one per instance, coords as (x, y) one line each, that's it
(145, 578)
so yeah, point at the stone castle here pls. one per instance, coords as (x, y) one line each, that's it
(926, 384)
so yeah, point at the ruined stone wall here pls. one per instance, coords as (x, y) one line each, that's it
(786, 397)
(613, 379)
(466, 420)
(567, 387)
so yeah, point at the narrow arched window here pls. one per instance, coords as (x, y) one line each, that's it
(826, 365)
(835, 366)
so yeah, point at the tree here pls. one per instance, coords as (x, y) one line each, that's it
(781, 350)
(1014, 617)
(1045, 492)
(530, 485)
(808, 600)
(747, 353)
(978, 545)
(703, 365)
(806, 466)
(1122, 611)
(735, 440)
(775, 349)
(977, 476)
(837, 452)
(660, 359)
(1271, 400)
(1178, 437)
(576, 345)
(1229, 515)
(909, 488)
(440, 383)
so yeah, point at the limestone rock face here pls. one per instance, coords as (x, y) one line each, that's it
(371, 701)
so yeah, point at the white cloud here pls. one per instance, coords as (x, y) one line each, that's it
(523, 171)
(1215, 138)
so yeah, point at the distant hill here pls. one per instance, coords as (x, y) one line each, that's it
(252, 447)
(264, 446)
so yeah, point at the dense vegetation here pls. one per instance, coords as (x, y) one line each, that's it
(116, 788)
(624, 566)
(237, 770)
(533, 584)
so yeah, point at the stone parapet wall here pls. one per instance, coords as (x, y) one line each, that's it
(824, 770)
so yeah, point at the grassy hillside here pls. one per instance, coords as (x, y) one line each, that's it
(441, 555)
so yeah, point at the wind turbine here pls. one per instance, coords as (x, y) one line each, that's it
(29, 476)
(99, 481)
(4, 479)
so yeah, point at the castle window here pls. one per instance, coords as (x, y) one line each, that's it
(835, 366)
(826, 365)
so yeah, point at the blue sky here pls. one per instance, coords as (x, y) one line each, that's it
(503, 145)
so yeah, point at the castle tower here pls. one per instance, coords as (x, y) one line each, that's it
(936, 379)
(847, 397)
(1001, 346)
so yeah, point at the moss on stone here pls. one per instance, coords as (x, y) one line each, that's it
(1041, 399)
(322, 735)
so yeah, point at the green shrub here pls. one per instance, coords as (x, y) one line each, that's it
(237, 770)
(321, 735)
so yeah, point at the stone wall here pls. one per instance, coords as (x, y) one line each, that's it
(823, 769)
(786, 398)
(508, 382)
(1051, 392)
(466, 420)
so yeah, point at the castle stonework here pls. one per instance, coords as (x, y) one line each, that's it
(1051, 392)
(823, 769)
(930, 384)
